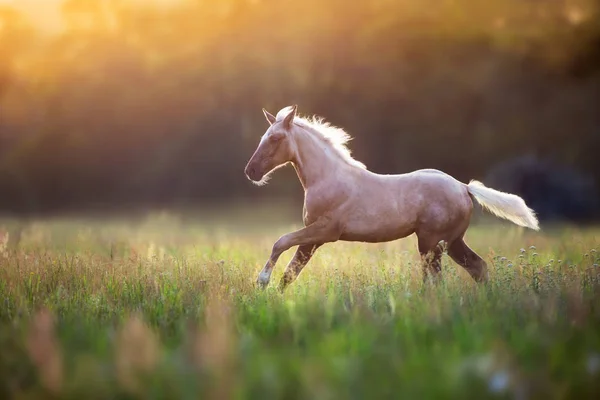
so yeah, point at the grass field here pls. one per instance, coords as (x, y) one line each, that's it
(165, 307)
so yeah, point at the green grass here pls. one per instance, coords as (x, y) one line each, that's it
(167, 308)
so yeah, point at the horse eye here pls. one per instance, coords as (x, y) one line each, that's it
(277, 137)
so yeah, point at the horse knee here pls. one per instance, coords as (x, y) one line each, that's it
(469, 260)
(279, 247)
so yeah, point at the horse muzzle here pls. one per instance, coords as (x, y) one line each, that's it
(253, 173)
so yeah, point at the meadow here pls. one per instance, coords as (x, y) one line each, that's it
(165, 306)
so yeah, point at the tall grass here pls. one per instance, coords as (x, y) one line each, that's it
(163, 307)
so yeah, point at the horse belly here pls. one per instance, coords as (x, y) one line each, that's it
(375, 234)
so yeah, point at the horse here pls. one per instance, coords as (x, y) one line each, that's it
(344, 201)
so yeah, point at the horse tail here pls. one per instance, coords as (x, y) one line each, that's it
(503, 205)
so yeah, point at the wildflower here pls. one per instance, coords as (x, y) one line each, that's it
(531, 247)
(136, 352)
(211, 349)
(593, 364)
(392, 303)
(44, 351)
(499, 382)
(4, 245)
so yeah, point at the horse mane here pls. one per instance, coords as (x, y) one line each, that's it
(335, 136)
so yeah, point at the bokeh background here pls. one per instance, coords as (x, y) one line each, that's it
(131, 105)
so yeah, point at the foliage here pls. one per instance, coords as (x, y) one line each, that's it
(134, 102)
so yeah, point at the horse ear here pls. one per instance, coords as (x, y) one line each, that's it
(270, 117)
(289, 119)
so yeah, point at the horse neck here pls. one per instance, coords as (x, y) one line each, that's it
(314, 160)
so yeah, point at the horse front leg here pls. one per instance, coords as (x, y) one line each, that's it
(323, 230)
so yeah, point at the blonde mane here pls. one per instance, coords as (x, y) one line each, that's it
(336, 137)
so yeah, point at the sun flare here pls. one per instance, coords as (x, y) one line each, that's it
(47, 16)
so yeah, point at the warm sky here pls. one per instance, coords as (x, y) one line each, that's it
(45, 13)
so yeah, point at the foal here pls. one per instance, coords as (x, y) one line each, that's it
(345, 201)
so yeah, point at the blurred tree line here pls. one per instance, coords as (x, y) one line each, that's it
(135, 103)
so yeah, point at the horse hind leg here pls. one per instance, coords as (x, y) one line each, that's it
(431, 259)
(297, 263)
(469, 260)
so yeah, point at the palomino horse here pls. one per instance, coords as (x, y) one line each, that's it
(345, 201)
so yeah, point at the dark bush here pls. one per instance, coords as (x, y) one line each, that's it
(556, 192)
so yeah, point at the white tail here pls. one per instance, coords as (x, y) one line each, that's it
(504, 205)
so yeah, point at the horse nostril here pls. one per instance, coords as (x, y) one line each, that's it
(250, 171)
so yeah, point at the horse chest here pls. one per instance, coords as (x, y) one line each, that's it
(308, 217)
(314, 207)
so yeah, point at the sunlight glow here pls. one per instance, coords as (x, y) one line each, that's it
(46, 15)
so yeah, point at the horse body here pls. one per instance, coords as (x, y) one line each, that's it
(379, 208)
(345, 201)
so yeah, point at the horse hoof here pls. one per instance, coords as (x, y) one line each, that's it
(261, 286)
(262, 283)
